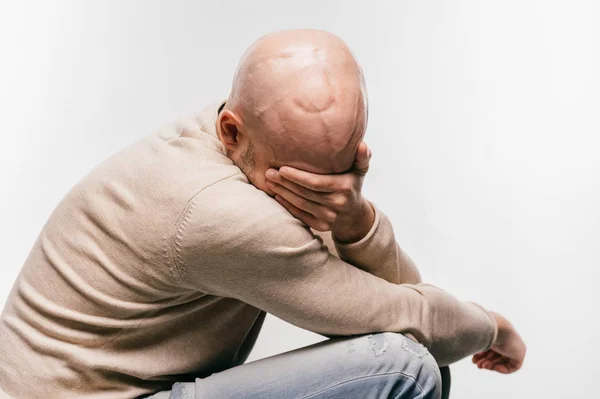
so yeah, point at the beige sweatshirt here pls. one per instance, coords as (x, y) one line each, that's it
(158, 267)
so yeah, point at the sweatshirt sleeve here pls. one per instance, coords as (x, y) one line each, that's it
(235, 241)
(378, 253)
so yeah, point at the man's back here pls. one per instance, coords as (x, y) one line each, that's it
(153, 268)
(99, 307)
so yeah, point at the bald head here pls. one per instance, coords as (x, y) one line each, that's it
(300, 94)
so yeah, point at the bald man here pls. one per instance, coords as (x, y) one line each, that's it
(154, 273)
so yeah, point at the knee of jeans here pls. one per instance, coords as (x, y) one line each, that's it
(430, 377)
(417, 362)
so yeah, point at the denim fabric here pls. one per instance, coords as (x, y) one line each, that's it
(383, 365)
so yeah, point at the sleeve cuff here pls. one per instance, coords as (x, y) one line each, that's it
(494, 324)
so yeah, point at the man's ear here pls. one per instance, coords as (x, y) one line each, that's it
(229, 126)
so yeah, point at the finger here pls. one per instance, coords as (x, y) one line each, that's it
(490, 357)
(506, 365)
(476, 358)
(297, 213)
(300, 214)
(480, 355)
(498, 363)
(493, 356)
(485, 364)
(362, 157)
(315, 182)
(490, 360)
(513, 365)
(302, 191)
(502, 368)
(306, 205)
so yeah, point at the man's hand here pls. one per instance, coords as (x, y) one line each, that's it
(327, 202)
(506, 354)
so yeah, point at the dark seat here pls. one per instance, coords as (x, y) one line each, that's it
(445, 372)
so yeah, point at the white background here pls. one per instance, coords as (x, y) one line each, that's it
(483, 123)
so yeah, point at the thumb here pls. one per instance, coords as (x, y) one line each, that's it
(362, 157)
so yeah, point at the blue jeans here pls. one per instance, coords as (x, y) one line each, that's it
(383, 365)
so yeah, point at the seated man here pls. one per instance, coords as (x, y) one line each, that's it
(155, 271)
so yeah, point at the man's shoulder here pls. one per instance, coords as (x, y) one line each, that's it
(234, 200)
(233, 221)
(233, 210)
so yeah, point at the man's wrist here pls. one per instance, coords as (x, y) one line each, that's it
(503, 327)
(356, 231)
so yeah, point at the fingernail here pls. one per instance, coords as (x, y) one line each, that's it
(270, 174)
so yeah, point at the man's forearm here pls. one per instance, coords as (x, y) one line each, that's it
(378, 253)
